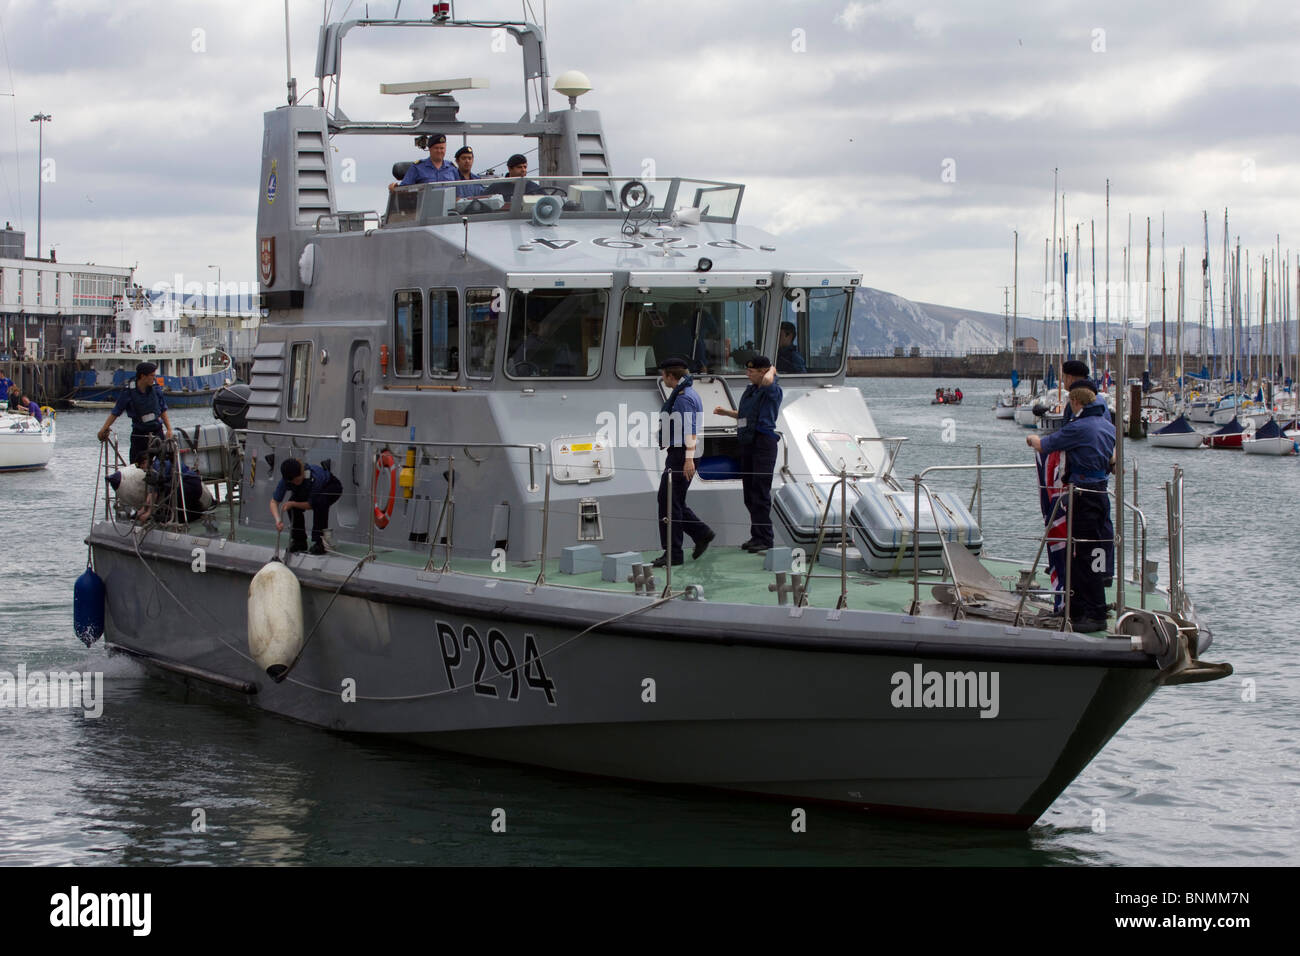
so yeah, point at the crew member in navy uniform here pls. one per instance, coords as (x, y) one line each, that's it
(756, 433)
(193, 499)
(435, 169)
(1073, 374)
(145, 406)
(679, 427)
(788, 358)
(1088, 441)
(313, 487)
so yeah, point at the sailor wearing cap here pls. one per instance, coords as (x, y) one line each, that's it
(679, 428)
(516, 168)
(1075, 373)
(435, 169)
(464, 170)
(1088, 441)
(756, 433)
(144, 404)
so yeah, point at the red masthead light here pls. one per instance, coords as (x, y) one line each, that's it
(441, 11)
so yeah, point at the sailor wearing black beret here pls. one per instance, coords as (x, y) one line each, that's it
(679, 435)
(143, 402)
(757, 438)
(435, 169)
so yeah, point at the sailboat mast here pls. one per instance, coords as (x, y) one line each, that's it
(1206, 312)
(1146, 306)
(1164, 327)
(1015, 304)
(1106, 309)
(1047, 264)
(1178, 353)
(1056, 195)
(1092, 241)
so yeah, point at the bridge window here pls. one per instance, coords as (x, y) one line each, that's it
(444, 333)
(408, 333)
(716, 333)
(556, 333)
(482, 317)
(819, 319)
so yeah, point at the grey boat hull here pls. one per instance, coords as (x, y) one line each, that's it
(688, 692)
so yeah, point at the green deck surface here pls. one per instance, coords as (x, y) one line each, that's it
(725, 573)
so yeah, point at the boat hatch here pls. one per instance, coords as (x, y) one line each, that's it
(840, 450)
(527, 281)
(699, 280)
(581, 459)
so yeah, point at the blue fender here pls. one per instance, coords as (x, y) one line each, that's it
(88, 607)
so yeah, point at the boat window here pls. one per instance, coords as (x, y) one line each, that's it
(482, 317)
(716, 333)
(408, 333)
(819, 319)
(555, 333)
(299, 372)
(444, 332)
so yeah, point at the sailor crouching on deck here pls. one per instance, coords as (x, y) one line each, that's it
(1088, 440)
(145, 406)
(756, 433)
(679, 426)
(308, 486)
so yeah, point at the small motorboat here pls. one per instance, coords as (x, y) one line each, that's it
(1269, 439)
(25, 443)
(1229, 436)
(1177, 434)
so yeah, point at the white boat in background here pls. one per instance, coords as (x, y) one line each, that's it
(25, 443)
(1268, 439)
(1006, 405)
(189, 371)
(1177, 434)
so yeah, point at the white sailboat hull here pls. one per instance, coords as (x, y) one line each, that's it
(1176, 440)
(1268, 446)
(25, 443)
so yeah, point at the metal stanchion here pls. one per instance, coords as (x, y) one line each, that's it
(1069, 554)
(546, 525)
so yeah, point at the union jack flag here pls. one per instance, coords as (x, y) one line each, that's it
(1051, 486)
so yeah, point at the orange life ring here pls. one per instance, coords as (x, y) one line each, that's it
(384, 460)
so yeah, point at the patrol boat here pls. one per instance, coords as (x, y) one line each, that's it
(480, 374)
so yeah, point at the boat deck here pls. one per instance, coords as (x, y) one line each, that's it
(725, 574)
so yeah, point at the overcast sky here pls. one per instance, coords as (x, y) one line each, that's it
(924, 132)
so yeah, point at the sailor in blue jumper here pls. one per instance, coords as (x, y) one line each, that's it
(435, 169)
(308, 486)
(1088, 441)
(679, 433)
(143, 402)
(1073, 374)
(756, 434)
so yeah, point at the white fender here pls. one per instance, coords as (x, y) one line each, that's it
(132, 491)
(274, 618)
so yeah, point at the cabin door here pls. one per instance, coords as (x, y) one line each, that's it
(352, 473)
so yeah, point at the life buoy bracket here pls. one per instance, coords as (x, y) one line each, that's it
(384, 461)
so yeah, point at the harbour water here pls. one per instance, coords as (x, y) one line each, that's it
(1203, 774)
